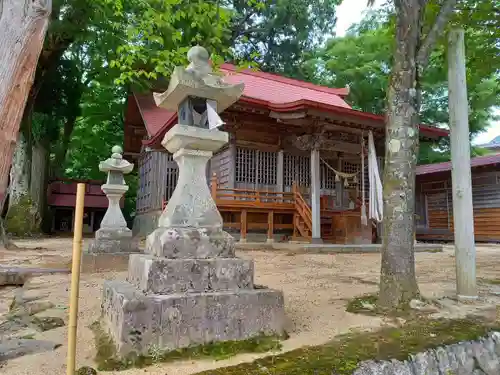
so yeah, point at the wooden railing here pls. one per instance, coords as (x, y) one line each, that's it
(239, 204)
(303, 218)
(257, 196)
(245, 197)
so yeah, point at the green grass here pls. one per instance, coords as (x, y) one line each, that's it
(343, 355)
(107, 359)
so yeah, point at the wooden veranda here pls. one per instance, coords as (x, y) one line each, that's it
(246, 210)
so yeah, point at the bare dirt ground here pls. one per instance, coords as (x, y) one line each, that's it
(316, 288)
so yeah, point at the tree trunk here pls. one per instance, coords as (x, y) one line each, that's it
(20, 173)
(40, 179)
(60, 158)
(23, 25)
(398, 284)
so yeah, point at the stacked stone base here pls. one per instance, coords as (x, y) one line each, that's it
(113, 241)
(188, 290)
(138, 322)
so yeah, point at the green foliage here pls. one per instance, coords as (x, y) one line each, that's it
(97, 130)
(157, 34)
(343, 355)
(363, 59)
(280, 35)
(107, 359)
(57, 102)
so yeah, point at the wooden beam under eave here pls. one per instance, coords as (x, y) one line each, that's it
(353, 120)
(287, 116)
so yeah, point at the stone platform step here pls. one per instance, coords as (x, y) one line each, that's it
(138, 322)
(162, 275)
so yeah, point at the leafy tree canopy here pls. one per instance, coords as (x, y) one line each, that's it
(363, 59)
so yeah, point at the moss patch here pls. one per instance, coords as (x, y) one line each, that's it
(436, 250)
(22, 219)
(107, 359)
(491, 281)
(86, 371)
(47, 323)
(343, 355)
(365, 304)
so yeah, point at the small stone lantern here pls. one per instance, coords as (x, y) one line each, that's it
(189, 288)
(114, 236)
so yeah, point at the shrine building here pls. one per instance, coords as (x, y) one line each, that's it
(292, 169)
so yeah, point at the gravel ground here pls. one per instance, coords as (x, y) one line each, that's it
(316, 288)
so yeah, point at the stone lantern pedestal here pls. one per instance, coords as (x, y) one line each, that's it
(189, 288)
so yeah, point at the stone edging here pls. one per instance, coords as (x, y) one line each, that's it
(477, 357)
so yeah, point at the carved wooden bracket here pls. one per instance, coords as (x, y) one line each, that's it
(329, 141)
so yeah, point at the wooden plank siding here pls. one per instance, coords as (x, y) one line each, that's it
(221, 165)
(435, 205)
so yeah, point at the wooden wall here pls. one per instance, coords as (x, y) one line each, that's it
(222, 165)
(435, 205)
(158, 175)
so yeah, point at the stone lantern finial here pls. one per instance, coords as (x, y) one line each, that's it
(197, 93)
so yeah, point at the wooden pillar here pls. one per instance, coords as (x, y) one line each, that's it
(270, 226)
(72, 219)
(243, 226)
(92, 213)
(213, 186)
(231, 184)
(339, 188)
(463, 215)
(279, 172)
(53, 212)
(315, 197)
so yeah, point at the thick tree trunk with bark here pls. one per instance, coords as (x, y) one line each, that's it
(398, 284)
(23, 24)
(20, 173)
(39, 179)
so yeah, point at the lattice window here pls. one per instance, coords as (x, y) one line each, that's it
(348, 167)
(267, 163)
(485, 180)
(245, 166)
(438, 201)
(171, 176)
(144, 196)
(327, 175)
(296, 168)
(436, 185)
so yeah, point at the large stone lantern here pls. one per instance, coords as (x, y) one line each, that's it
(189, 288)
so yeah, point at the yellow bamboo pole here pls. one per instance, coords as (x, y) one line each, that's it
(75, 278)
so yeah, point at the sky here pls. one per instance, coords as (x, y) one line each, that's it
(352, 11)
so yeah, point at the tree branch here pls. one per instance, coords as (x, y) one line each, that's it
(237, 30)
(436, 29)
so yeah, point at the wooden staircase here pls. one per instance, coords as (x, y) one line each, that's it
(302, 218)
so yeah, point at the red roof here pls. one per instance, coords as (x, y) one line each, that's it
(446, 166)
(272, 91)
(260, 86)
